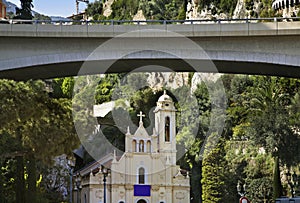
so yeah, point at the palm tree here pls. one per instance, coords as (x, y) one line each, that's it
(270, 125)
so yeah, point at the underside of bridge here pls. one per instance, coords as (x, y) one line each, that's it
(149, 65)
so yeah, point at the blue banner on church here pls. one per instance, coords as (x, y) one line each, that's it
(142, 190)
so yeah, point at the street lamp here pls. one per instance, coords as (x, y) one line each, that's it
(105, 172)
(241, 189)
(71, 165)
(78, 186)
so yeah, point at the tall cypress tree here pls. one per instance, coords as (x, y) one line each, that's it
(25, 12)
(213, 174)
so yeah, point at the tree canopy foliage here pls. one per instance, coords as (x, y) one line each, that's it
(34, 129)
(258, 143)
(94, 10)
(259, 137)
(154, 9)
(25, 12)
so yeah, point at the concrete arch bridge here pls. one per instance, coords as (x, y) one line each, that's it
(30, 51)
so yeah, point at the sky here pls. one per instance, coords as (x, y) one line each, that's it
(62, 8)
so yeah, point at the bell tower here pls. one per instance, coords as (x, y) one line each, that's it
(165, 127)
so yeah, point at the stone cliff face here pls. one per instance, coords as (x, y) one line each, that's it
(208, 12)
(243, 9)
(203, 77)
(240, 10)
(107, 8)
(173, 80)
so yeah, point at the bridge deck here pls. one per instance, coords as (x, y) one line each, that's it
(36, 50)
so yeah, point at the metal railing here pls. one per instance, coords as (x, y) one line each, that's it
(189, 28)
(143, 22)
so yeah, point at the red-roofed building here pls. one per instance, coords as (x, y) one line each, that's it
(2, 10)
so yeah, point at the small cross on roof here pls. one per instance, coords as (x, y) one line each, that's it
(141, 115)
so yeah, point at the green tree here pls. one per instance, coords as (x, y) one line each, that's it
(270, 125)
(213, 184)
(191, 136)
(26, 10)
(94, 10)
(228, 6)
(124, 9)
(266, 9)
(165, 10)
(35, 120)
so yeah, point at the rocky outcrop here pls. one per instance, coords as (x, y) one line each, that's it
(172, 80)
(139, 16)
(107, 8)
(207, 13)
(203, 77)
(240, 10)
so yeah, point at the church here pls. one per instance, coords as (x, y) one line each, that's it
(145, 173)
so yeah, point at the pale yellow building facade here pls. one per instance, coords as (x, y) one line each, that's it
(147, 171)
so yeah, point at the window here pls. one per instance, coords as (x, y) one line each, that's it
(167, 129)
(141, 175)
(134, 146)
(141, 146)
(148, 146)
(121, 202)
(141, 201)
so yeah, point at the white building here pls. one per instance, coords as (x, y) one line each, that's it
(146, 172)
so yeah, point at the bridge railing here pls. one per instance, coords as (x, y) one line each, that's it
(110, 28)
(143, 22)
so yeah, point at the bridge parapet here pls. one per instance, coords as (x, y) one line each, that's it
(236, 27)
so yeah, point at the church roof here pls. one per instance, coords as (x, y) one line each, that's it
(165, 97)
(141, 132)
(94, 166)
(79, 152)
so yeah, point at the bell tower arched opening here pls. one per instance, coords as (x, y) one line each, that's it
(167, 129)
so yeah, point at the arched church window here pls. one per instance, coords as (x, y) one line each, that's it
(167, 129)
(121, 202)
(141, 146)
(141, 175)
(148, 146)
(134, 146)
(141, 201)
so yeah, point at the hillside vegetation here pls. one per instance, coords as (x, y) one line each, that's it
(177, 9)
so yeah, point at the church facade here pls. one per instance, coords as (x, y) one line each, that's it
(146, 172)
